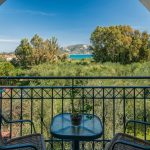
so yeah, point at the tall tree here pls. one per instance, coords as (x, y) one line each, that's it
(120, 44)
(51, 45)
(38, 49)
(24, 53)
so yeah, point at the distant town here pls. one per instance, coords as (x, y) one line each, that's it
(7, 56)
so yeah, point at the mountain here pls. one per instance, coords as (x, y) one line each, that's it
(77, 49)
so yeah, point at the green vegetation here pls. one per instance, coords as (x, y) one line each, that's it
(81, 68)
(86, 68)
(6, 69)
(120, 44)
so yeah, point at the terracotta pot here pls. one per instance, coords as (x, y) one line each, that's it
(76, 119)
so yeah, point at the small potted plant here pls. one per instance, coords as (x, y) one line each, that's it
(78, 109)
(76, 118)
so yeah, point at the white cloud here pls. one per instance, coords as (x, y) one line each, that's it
(142, 28)
(9, 40)
(8, 45)
(31, 12)
(42, 13)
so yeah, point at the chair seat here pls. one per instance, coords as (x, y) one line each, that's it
(128, 138)
(28, 142)
(35, 139)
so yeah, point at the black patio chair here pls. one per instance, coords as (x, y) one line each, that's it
(123, 141)
(29, 142)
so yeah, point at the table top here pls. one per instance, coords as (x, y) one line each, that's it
(89, 129)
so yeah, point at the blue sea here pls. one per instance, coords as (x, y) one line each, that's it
(80, 56)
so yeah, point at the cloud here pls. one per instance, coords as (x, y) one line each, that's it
(42, 13)
(30, 12)
(141, 28)
(9, 40)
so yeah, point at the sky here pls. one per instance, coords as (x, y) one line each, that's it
(70, 21)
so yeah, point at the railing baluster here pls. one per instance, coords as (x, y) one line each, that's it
(124, 109)
(82, 100)
(42, 111)
(62, 110)
(21, 117)
(93, 101)
(145, 117)
(52, 110)
(134, 114)
(72, 88)
(114, 109)
(31, 108)
(1, 107)
(11, 97)
(103, 90)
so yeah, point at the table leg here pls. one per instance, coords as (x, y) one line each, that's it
(75, 145)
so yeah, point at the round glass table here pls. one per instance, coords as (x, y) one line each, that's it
(89, 129)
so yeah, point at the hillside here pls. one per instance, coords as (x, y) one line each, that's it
(77, 49)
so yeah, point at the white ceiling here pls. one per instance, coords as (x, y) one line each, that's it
(2, 1)
(146, 3)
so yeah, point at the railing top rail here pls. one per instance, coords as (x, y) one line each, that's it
(73, 77)
(67, 87)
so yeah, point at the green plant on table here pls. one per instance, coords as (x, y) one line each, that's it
(80, 107)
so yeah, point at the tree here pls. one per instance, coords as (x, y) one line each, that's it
(35, 52)
(44, 51)
(6, 69)
(145, 47)
(52, 47)
(24, 53)
(38, 49)
(120, 44)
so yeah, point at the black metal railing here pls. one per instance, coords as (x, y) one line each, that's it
(114, 99)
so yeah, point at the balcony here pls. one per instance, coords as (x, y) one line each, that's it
(114, 99)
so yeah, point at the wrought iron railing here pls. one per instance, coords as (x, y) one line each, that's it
(114, 99)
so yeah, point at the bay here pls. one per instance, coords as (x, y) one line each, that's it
(80, 56)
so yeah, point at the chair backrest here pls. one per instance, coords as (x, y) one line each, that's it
(126, 138)
(1, 134)
(1, 139)
(2, 118)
